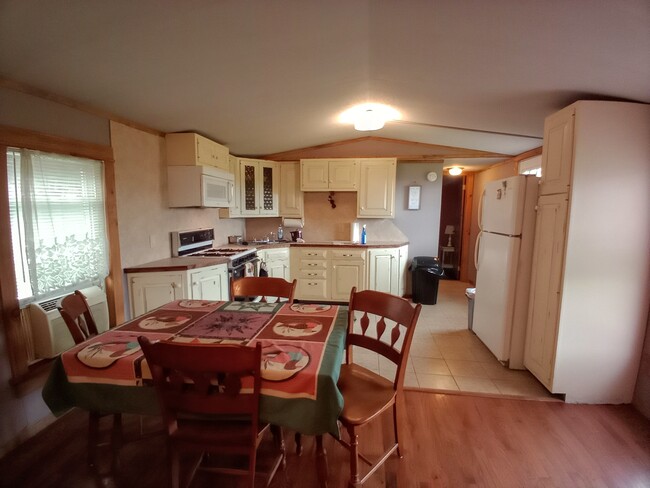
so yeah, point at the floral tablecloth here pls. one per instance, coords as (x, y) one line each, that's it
(302, 348)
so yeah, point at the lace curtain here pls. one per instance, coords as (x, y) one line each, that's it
(58, 223)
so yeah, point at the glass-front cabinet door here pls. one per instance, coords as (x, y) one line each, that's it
(259, 187)
(268, 188)
(249, 171)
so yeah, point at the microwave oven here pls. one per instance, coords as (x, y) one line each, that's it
(200, 186)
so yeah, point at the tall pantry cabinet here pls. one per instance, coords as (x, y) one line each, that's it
(591, 265)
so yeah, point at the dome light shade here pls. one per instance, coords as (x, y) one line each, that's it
(455, 171)
(369, 116)
(369, 120)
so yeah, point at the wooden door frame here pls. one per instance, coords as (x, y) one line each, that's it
(466, 225)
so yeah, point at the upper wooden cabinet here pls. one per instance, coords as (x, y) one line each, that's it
(376, 196)
(329, 174)
(557, 153)
(188, 149)
(259, 188)
(291, 198)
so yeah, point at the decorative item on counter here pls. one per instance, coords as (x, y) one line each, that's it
(295, 235)
(330, 198)
(280, 233)
(364, 235)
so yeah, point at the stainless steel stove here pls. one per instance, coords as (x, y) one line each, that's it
(199, 243)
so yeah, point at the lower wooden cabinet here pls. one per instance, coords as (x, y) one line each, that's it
(329, 274)
(150, 290)
(277, 262)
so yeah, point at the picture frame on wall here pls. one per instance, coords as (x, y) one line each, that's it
(414, 197)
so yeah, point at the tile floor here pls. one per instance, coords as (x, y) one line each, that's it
(445, 355)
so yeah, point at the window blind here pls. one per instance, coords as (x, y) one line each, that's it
(57, 222)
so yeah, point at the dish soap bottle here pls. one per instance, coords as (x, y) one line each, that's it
(280, 233)
(363, 234)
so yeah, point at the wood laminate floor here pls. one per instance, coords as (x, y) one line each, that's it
(449, 440)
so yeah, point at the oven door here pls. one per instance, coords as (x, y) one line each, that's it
(249, 268)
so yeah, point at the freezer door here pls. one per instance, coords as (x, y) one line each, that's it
(495, 292)
(502, 206)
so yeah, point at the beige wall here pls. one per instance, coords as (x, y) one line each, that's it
(497, 172)
(144, 219)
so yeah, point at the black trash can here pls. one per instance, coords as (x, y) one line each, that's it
(426, 272)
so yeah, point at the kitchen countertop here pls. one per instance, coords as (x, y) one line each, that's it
(176, 264)
(187, 262)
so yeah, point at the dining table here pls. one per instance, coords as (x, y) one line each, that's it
(302, 350)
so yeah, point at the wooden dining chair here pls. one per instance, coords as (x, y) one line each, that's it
(264, 287)
(385, 325)
(78, 318)
(209, 396)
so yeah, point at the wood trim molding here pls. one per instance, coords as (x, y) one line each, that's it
(465, 252)
(430, 152)
(10, 311)
(44, 94)
(16, 350)
(38, 141)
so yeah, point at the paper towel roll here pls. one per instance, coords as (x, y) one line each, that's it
(293, 223)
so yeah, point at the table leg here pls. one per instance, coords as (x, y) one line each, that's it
(298, 438)
(321, 462)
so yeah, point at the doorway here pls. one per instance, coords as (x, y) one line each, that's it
(451, 217)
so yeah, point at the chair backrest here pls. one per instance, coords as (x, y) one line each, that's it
(205, 379)
(77, 316)
(263, 287)
(375, 309)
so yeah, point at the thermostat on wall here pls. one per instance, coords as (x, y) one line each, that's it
(432, 176)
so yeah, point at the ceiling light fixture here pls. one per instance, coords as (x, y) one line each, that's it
(455, 171)
(369, 116)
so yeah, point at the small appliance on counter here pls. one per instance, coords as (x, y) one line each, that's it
(235, 239)
(295, 235)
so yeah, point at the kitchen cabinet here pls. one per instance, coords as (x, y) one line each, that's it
(548, 260)
(348, 270)
(402, 269)
(376, 197)
(557, 153)
(188, 148)
(384, 270)
(209, 283)
(277, 262)
(151, 289)
(329, 174)
(588, 305)
(291, 197)
(258, 184)
(310, 267)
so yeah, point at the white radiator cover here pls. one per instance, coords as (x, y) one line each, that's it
(49, 332)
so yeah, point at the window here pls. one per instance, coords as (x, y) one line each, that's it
(531, 166)
(58, 226)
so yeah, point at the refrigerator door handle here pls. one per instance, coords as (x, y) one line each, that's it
(476, 246)
(480, 211)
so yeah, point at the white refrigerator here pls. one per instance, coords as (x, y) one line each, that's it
(503, 259)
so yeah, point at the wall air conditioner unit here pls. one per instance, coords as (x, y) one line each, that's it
(50, 334)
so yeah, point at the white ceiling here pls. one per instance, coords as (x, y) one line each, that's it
(268, 76)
